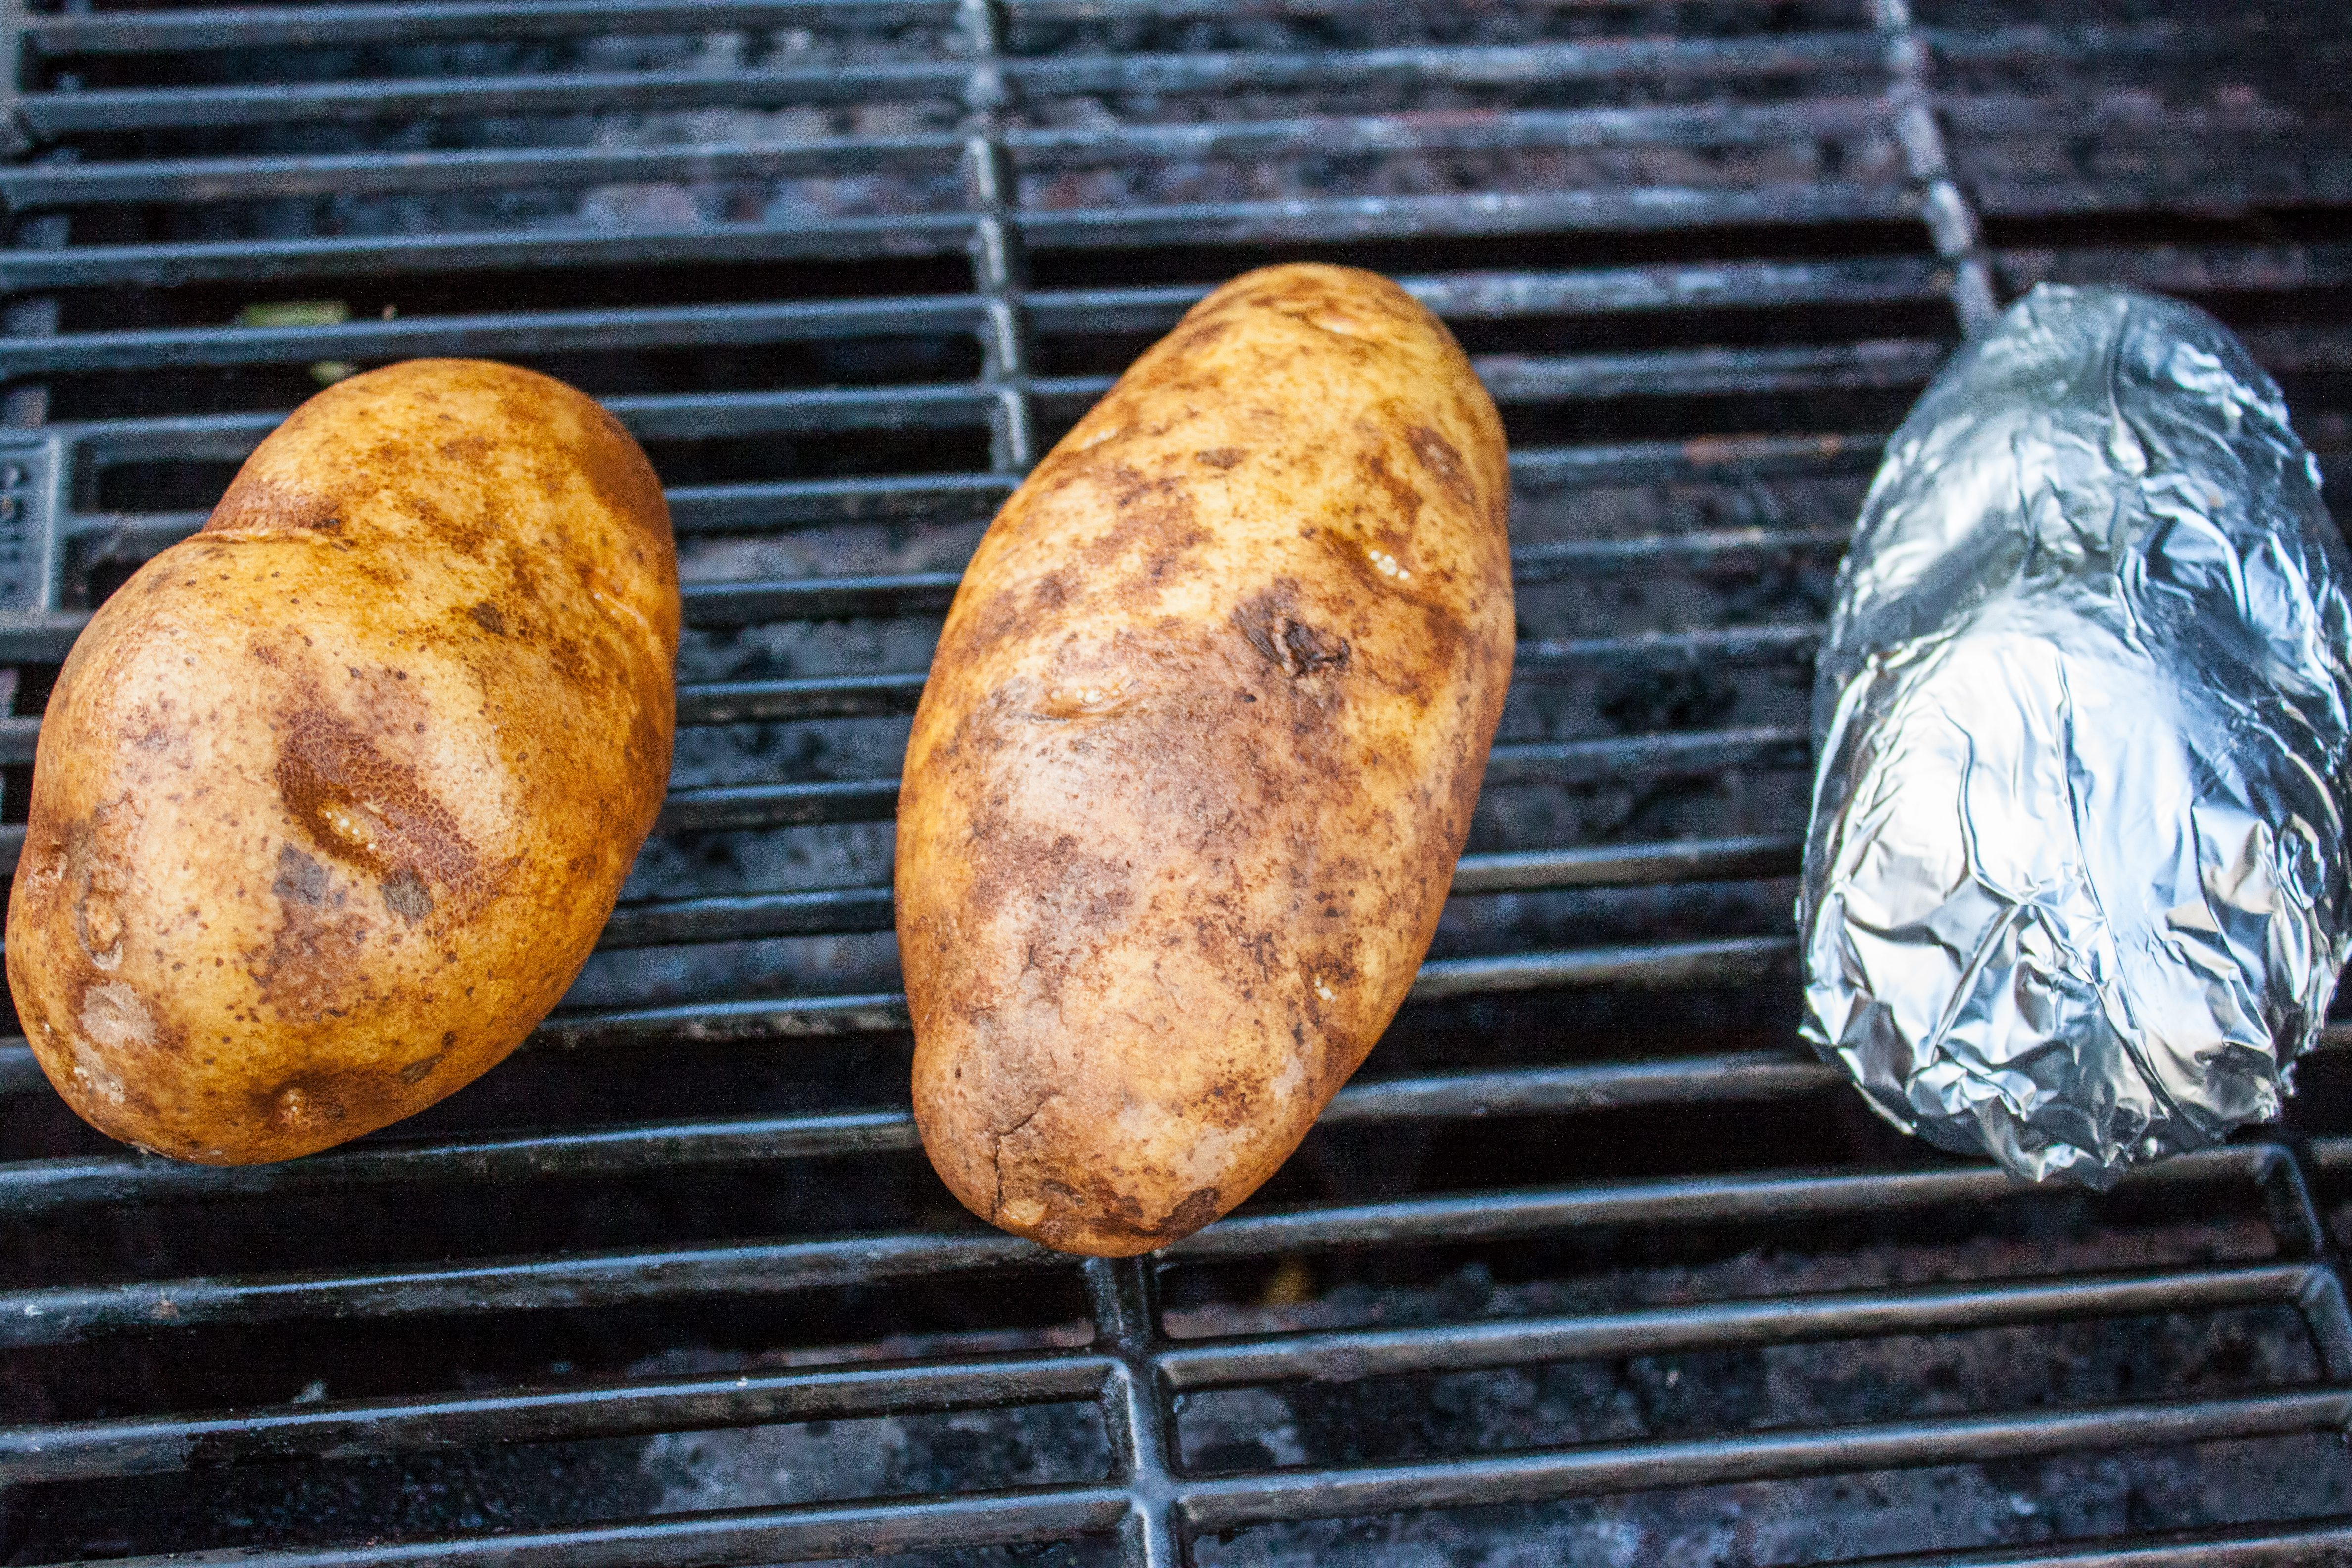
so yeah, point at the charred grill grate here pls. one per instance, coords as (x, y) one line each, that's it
(1591, 1264)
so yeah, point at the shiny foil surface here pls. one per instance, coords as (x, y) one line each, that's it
(2075, 889)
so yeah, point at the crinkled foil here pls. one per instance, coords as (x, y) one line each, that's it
(2075, 891)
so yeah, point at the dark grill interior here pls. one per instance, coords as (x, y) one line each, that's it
(1593, 1264)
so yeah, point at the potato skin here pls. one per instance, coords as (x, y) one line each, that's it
(333, 797)
(1197, 756)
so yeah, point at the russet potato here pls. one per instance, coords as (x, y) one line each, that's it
(333, 797)
(1199, 749)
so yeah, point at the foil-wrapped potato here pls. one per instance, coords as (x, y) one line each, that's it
(333, 797)
(2078, 886)
(1198, 753)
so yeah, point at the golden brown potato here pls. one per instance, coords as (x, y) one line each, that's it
(333, 797)
(1198, 753)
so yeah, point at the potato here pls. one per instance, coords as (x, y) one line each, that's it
(1198, 753)
(333, 797)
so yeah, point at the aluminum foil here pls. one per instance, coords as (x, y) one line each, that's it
(2076, 890)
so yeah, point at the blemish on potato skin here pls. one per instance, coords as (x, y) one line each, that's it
(1268, 622)
(1131, 794)
(1443, 463)
(361, 806)
(406, 895)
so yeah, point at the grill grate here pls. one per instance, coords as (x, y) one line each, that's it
(1593, 1263)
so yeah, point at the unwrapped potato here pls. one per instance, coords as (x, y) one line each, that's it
(1198, 753)
(333, 797)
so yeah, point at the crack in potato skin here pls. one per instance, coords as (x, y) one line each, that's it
(333, 798)
(1198, 753)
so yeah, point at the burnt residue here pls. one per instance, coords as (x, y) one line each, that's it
(488, 617)
(1284, 641)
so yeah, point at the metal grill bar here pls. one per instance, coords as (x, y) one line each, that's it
(53, 114)
(865, 696)
(1723, 961)
(1952, 223)
(2186, 269)
(231, 438)
(1719, 1326)
(1726, 550)
(728, 1538)
(1669, 754)
(1728, 647)
(2065, 198)
(1893, 362)
(1460, 297)
(42, 1186)
(1231, 1504)
(67, 1314)
(150, 1447)
(2287, 1546)
(727, 807)
(245, 27)
(1209, 1505)
(794, 700)
(1750, 1196)
(999, 266)
(745, 916)
(754, 508)
(256, 26)
(229, 179)
(1653, 209)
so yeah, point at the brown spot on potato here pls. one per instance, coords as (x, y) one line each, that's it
(1282, 640)
(258, 504)
(1404, 502)
(418, 1071)
(303, 1109)
(1123, 1214)
(406, 895)
(97, 876)
(301, 879)
(1221, 458)
(361, 806)
(1444, 463)
(487, 615)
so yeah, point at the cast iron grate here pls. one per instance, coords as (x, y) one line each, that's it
(1591, 1264)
